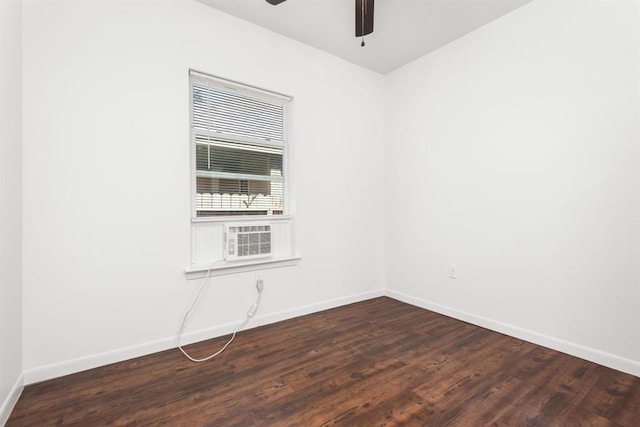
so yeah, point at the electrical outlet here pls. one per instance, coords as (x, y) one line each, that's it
(452, 271)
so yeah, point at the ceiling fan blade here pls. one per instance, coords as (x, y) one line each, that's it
(275, 2)
(364, 17)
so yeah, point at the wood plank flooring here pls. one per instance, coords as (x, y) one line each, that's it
(375, 363)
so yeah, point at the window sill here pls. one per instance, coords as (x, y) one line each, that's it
(200, 272)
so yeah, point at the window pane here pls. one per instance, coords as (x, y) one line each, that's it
(239, 147)
(238, 158)
(241, 179)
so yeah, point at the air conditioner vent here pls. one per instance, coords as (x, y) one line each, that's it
(247, 241)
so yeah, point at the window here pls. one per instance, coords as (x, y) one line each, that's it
(239, 149)
(242, 209)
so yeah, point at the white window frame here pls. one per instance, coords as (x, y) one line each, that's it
(255, 93)
(206, 235)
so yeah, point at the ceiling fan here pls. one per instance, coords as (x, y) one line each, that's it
(364, 17)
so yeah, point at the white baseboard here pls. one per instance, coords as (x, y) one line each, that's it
(11, 400)
(31, 376)
(316, 307)
(266, 319)
(56, 370)
(609, 360)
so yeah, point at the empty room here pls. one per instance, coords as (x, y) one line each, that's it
(320, 212)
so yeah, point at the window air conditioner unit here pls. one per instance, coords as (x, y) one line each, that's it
(247, 241)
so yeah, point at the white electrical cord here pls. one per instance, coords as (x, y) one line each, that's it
(250, 313)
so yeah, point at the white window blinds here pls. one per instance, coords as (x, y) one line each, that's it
(239, 147)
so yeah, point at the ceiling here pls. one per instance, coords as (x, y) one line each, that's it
(403, 29)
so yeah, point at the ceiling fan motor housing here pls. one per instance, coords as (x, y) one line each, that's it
(364, 16)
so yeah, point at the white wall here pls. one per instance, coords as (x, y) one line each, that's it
(106, 177)
(10, 205)
(514, 154)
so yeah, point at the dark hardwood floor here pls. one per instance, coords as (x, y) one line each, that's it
(374, 363)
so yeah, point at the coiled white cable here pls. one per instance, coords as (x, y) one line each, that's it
(250, 313)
